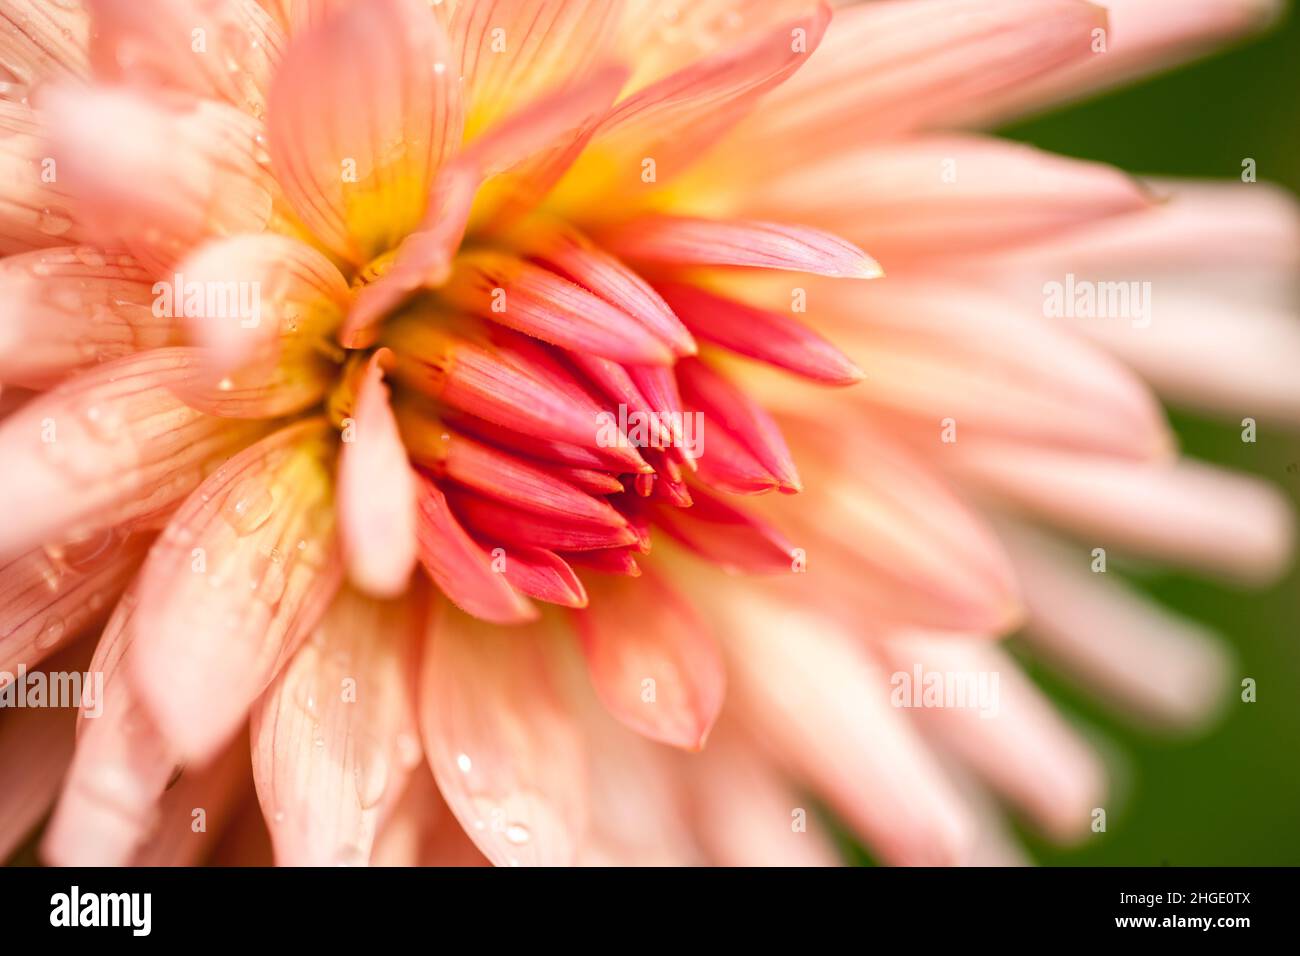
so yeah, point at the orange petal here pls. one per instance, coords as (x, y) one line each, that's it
(886, 68)
(215, 789)
(652, 660)
(111, 446)
(35, 205)
(376, 493)
(335, 735)
(511, 51)
(256, 300)
(502, 743)
(535, 146)
(51, 595)
(359, 121)
(234, 584)
(42, 42)
(68, 307)
(211, 179)
(227, 51)
(671, 122)
(121, 767)
(934, 196)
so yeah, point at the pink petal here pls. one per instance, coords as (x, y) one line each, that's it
(892, 67)
(376, 494)
(235, 583)
(111, 446)
(68, 307)
(256, 301)
(1018, 742)
(540, 303)
(349, 89)
(579, 259)
(683, 241)
(932, 351)
(210, 181)
(478, 376)
(760, 334)
(1100, 632)
(661, 40)
(811, 693)
(541, 574)
(34, 212)
(747, 814)
(502, 743)
(241, 46)
(638, 814)
(181, 837)
(460, 567)
(503, 522)
(499, 474)
(121, 768)
(335, 736)
(53, 594)
(1144, 36)
(882, 536)
(421, 831)
(42, 42)
(726, 535)
(932, 196)
(652, 660)
(1219, 331)
(546, 450)
(728, 411)
(1188, 512)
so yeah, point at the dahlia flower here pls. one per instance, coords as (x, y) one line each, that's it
(423, 414)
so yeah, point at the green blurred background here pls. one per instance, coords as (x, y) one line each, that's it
(1231, 797)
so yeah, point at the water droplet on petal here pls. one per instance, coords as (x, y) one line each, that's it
(89, 256)
(51, 633)
(248, 506)
(104, 422)
(53, 221)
